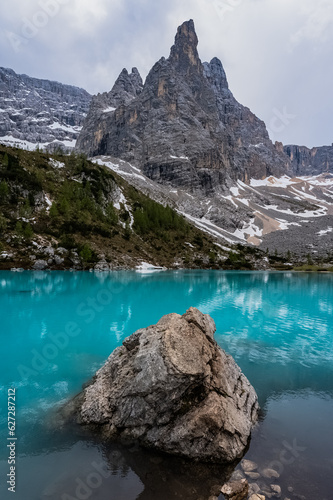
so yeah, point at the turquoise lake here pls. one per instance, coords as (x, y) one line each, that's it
(58, 328)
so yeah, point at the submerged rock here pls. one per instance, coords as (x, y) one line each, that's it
(269, 473)
(276, 490)
(235, 490)
(40, 265)
(172, 388)
(248, 465)
(253, 475)
(102, 266)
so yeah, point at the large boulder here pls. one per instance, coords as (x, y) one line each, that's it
(172, 388)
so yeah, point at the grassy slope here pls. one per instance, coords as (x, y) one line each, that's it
(94, 212)
(68, 202)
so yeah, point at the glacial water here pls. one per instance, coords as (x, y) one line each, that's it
(58, 328)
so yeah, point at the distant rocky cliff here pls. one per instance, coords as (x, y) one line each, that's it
(126, 88)
(183, 127)
(305, 161)
(34, 111)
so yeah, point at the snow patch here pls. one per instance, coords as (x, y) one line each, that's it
(284, 225)
(209, 227)
(325, 231)
(308, 213)
(229, 198)
(56, 163)
(244, 201)
(319, 180)
(48, 202)
(109, 109)
(304, 194)
(68, 143)
(249, 230)
(9, 140)
(145, 267)
(234, 191)
(67, 128)
(179, 157)
(273, 181)
(116, 168)
(122, 200)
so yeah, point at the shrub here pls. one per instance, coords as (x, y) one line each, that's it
(25, 209)
(197, 240)
(5, 160)
(86, 253)
(4, 191)
(150, 216)
(212, 257)
(127, 233)
(111, 214)
(28, 232)
(68, 241)
(53, 211)
(19, 228)
(3, 224)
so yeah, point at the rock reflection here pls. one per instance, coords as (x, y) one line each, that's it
(165, 477)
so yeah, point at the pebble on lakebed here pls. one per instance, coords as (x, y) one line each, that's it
(235, 490)
(248, 465)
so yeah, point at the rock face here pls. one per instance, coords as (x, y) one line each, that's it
(172, 388)
(315, 161)
(102, 107)
(184, 127)
(40, 112)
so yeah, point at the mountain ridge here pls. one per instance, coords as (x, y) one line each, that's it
(186, 112)
(40, 112)
(183, 139)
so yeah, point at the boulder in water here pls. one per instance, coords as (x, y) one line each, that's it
(170, 387)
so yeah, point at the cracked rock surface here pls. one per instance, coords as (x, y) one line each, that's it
(172, 388)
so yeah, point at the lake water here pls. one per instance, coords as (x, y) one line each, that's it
(58, 328)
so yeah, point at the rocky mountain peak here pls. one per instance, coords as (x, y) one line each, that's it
(215, 74)
(136, 80)
(183, 127)
(127, 86)
(184, 52)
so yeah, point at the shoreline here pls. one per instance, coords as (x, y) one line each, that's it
(166, 269)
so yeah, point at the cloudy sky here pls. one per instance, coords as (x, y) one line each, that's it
(277, 53)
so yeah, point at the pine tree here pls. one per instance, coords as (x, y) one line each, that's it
(4, 191)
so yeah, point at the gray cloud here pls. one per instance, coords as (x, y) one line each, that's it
(276, 53)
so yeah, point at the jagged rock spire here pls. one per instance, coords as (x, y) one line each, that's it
(128, 83)
(185, 112)
(184, 52)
